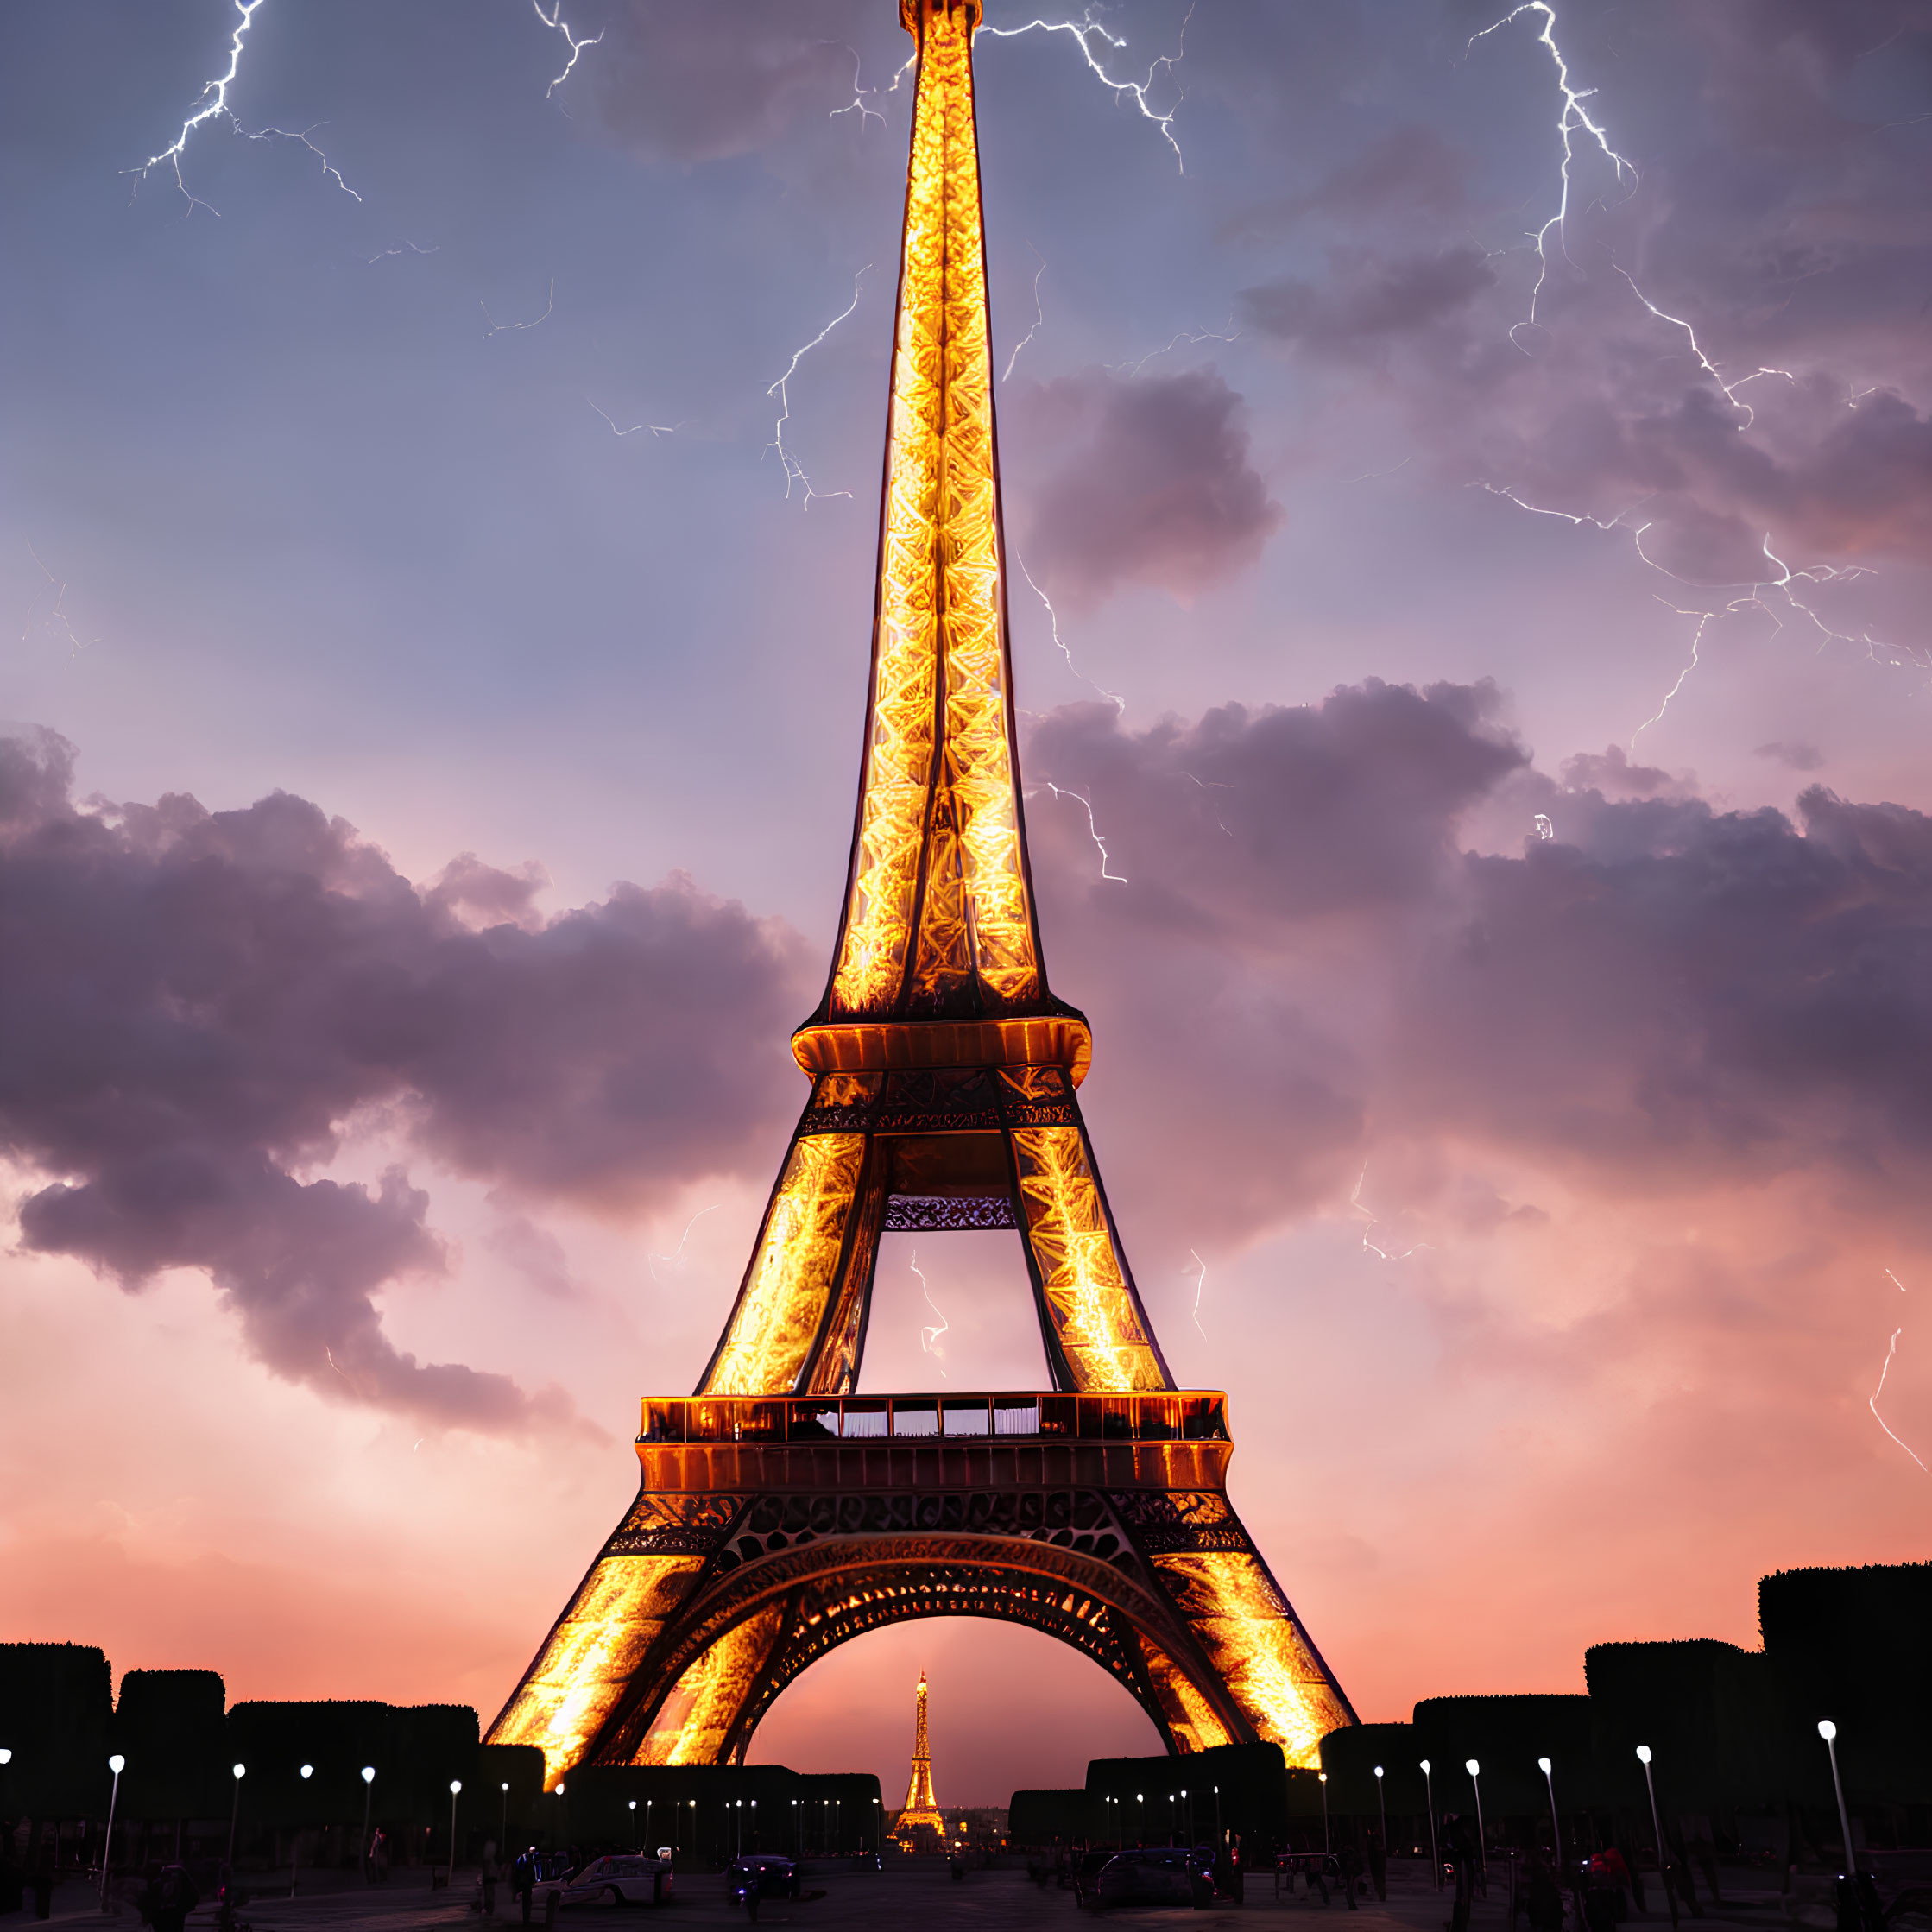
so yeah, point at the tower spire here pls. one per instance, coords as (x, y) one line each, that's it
(938, 917)
(919, 1824)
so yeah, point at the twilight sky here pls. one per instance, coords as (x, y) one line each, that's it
(1499, 678)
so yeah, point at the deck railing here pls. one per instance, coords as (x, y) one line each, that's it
(1179, 1415)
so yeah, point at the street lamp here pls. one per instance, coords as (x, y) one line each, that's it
(456, 1786)
(504, 1839)
(1828, 1732)
(754, 1824)
(369, 1785)
(295, 1838)
(1139, 1818)
(1382, 1806)
(1474, 1770)
(1657, 1825)
(235, 1813)
(634, 1821)
(116, 1764)
(1555, 1824)
(1323, 1778)
(1428, 1794)
(1187, 1813)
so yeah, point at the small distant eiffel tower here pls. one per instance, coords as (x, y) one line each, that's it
(918, 1826)
(780, 1513)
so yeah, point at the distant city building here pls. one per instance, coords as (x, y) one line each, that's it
(919, 1827)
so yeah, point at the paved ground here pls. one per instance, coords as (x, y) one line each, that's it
(921, 1897)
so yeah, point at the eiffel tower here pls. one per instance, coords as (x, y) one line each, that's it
(781, 1512)
(918, 1826)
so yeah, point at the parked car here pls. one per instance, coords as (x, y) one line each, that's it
(622, 1880)
(1086, 1874)
(776, 1876)
(1155, 1875)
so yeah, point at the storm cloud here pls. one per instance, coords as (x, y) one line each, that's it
(1140, 480)
(1665, 995)
(197, 1005)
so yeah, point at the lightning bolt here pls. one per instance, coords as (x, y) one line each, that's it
(1871, 1401)
(677, 1252)
(1200, 1282)
(498, 328)
(403, 248)
(1575, 119)
(1100, 844)
(793, 473)
(555, 21)
(1703, 618)
(1371, 1222)
(56, 618)
(1113, 698)
(1193, 337)
(1039, 316)
(929, 1338)
(857, 104)
(656, 429)
(214, 102)
(212, 105)
(1083, 32)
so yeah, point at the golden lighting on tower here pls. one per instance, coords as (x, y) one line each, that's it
(939, 906)
(781, 1512)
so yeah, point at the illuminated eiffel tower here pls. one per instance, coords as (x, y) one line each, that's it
(918, 1826)
(780, 1513)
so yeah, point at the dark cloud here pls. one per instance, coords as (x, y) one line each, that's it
(1366, 298)
(1665, 995)
(687, 81)
(194, 1004)
(1142, 480)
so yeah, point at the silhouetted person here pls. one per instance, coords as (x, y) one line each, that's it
(1351, 1873)
(523, 1879)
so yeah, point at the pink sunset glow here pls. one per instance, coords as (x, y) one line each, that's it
(1511, 1055)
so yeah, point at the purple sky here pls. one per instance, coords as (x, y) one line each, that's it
(1492, 648)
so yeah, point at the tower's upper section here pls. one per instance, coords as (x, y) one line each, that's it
(938, 924)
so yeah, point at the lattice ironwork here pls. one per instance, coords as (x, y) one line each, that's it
(919, 1213)
(780, 1513)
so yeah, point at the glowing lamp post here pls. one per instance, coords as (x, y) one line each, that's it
(1323, 1778)
(1828, 1732)
(235, 1812)
(1474, 1770)
(1657, 1825)
(503, 1839)
(116, 1764)
(1556, 1826)
(295, 1838)
(1428, 1799)
(1187, 1813)
(455, 1789)
(1139, 1818)
(368, 1788)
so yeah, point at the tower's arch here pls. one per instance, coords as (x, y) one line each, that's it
(766, 1623)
